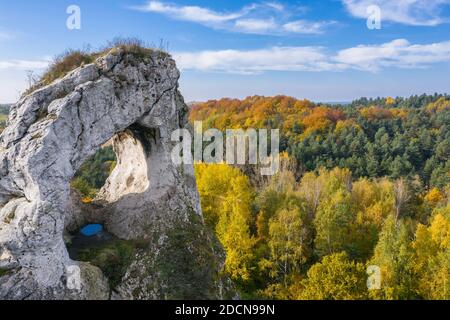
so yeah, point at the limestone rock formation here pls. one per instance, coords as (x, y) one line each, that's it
(148, 201)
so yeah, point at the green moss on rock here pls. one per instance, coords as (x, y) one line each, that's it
(4, 272)
(187, 263)
(112, 258)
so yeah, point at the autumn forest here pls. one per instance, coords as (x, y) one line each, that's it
(361, 185)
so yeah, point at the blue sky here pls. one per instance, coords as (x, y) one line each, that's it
(320, 50)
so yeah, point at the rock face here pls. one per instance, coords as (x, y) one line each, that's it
(147, 200)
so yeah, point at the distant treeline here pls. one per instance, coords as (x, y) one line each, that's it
(393, 137)
(4, 108)
(4, 111)
(414, 101)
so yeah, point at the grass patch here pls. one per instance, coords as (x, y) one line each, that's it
(112, 258)
(3, 121)
(5, 272)
(66, 62)
(72, 59)
(132, 45)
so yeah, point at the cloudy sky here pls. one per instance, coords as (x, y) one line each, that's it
(320, 50)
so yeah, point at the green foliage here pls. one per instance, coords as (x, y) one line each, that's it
(4, 109)
(391, 151)
(394, 255)
(288, 244)
(333, 223)
(84, 188)
(94, 172)
(112, 258)
(4, 112)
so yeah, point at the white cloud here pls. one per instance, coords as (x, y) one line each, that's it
(191, 13)
(395, 54)
(255, 61)
(259, 18)
(307, 27)
(398, 53)
(24, 64)
(409, 12)
(275, 5)
(255, 25)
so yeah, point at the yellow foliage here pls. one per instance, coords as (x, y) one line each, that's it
(87, 200)
(432, 256)
(343, 124)
(440, 105)
(379, 113)
(287, 243)
(336, 277)
(434, 196)
(390, 100)
(375, 199)
(226, 197)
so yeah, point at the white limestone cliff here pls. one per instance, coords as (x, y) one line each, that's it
(135, 101)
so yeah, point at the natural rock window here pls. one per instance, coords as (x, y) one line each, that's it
(162, 250)
(92, 175)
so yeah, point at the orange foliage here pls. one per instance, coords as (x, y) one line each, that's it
(266, 112)
(375, 112)
(255, 112)
(321, 118)
(87, 200)
(379, 113)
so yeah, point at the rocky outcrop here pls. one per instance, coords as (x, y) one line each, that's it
(147, 200)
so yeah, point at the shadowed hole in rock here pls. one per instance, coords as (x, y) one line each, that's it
(87, 238)
(90, 241)
(95, 245)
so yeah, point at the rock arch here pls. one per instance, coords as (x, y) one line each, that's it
(51, 132)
